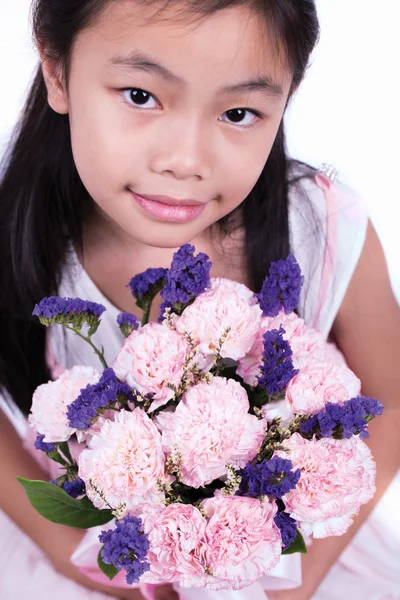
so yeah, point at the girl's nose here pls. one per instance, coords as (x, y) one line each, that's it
(183, 150)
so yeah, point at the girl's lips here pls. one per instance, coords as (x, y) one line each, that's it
(173, 213)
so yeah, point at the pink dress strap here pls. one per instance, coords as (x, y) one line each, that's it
(331, 243)
(327, 242)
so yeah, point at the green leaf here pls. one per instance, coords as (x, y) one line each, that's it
(258, 397)
(54, 504)
(109, 570)
(298, 545)
(87, 503)
(230, 373)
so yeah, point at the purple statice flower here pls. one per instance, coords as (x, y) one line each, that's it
(327, 421)
(145, 286)
(127, 319)
(343, 420)
(127, 323)
(353, 416)
(281, 287)
(126, 547)
(52, 307)
(277, 368)
(371, 406)
(188, 277)
(75, 488)
(272, 477)
(69, 311)
(308, 427)
(44, 446)
(287, 527)
(95, 399)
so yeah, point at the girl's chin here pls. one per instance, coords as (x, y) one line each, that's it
(163, 235)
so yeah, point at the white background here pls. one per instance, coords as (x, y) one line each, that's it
(346, 112)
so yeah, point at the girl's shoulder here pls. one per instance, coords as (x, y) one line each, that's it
(328, 223)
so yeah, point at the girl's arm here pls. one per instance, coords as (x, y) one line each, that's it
(57, 541)
(367, 331)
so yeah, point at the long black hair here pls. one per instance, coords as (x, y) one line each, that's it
(43, 203)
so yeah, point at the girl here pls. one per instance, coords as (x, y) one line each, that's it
(151, 124)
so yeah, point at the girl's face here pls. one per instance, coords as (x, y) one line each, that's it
(188, 112)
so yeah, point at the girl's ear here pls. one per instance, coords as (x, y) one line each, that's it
(55, 84)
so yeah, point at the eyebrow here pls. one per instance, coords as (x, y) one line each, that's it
(139, 61)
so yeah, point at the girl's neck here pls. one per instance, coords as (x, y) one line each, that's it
(112, 259)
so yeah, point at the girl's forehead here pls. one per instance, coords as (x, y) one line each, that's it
(230, 40)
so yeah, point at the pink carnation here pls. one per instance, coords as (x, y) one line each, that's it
(150, 358)
(277, 409)
(319, 382)
(85, 436)
(176, 535)
(242, 541)
(51, 400)
(227, 304)
(123, 462)
(337, 477)
(333, 354)
(303, 341)
(249, 365)
(210, 428)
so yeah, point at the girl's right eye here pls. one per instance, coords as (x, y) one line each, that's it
(140, 98)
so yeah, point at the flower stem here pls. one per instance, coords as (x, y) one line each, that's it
(64, 448)
(56, 456)
(87, 339)
(146, 313)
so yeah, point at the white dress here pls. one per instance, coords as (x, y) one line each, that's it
(327, 248)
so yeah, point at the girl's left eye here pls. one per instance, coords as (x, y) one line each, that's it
(244, 117)
(140, 98)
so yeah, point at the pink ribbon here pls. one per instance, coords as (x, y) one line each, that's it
(331, 241)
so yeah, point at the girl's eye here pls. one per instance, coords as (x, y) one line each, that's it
(140, 98)
(242, 116)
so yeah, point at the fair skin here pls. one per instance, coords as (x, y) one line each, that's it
(183, 143)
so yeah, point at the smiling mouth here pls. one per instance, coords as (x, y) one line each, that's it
(170, 201)
(168, 209)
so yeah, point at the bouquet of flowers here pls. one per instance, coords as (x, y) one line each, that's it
(217, 438)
